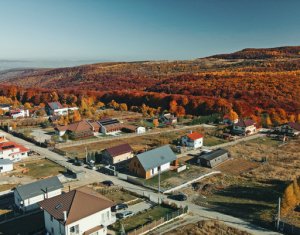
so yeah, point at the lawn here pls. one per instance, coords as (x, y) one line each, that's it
(142, 218)
(4, 187)
(40, 168)
(117, 196)
(212, 140)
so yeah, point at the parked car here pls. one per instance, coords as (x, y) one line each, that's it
(124, 214)
(108, 183)
(119, 206)
(178, 197)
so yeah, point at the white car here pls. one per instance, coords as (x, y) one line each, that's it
(124, 214)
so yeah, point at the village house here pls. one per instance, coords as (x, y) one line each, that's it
(79, 130)
(213, 158)
(168, 119)
(27, 196)
(110, 126)
(79, 212)
(193, 140)
(150, 163)
(244, 127)
(289, 129)
(18, 113)
(56, 109)
(117, 154)
(12, 151)
(6, 165)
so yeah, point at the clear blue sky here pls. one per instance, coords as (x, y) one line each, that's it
(143, 29)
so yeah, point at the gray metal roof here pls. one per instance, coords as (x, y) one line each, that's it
(5, 162)
(213, 154)
(39, 187)
(156, 157)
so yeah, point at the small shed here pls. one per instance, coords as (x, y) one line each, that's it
(213, 158)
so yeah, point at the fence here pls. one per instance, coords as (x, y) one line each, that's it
(288, 228)
(156, 223)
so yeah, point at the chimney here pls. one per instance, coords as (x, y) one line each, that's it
(65, 216)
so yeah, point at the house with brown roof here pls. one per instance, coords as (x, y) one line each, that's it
(244, 127)
(290, 129)
(81, 211)
(79, 130)
(193, 140)
(117, 154)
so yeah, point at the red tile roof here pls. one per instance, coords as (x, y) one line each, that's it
(195, 136)
(12, 145)
(119, 150)
(78, 204)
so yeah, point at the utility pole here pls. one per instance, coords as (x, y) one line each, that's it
(278, 215)
(86, 155)
(159, 185)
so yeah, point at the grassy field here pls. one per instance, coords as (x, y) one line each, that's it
(248, 187)
(39, 168)
(4, 187)
(138, 143)
(144, 217)
(117, 195)
(212, 140)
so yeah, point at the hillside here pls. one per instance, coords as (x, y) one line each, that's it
(250, 81)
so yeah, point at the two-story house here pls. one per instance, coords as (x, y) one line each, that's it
(13, 151)
(193, 140)
(80, 211)
(27, 196)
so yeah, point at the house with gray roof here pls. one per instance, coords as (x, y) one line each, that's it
(213, 158)
(27, 196)
(148, 164)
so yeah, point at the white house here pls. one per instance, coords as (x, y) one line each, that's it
(110, 126)
(56, 109)
(80, 211)
(193, 140)
(27, 196)
(18, 113)
(13, 151)
(6, 165)
(244, 127)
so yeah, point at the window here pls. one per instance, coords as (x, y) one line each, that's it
(74, 229)
(51, 218)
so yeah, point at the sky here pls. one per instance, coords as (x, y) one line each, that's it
(128, 30)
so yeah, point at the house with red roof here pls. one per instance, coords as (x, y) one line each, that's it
(193, 140)
(117, 154)
(13, 151)
(244, 127)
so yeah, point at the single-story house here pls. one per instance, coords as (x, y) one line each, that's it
(82, 211)
(27, 196)
(12, 151)
(117, 154)
(134, 129)
(110, 125)
(244, 127)
(213, 158)
(290, 129)
(6, 165)
(193, 140)
(78, 130)
(18, 113)
(148, 164)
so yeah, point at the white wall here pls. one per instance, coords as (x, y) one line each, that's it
(13, 154)
(140, 130)
(198, 143)
(58, 228)
(163, 167)
(6, 168)
(31, 203)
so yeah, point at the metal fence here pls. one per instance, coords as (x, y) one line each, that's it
(151, 225)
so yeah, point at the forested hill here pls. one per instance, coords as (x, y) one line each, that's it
(251, 82)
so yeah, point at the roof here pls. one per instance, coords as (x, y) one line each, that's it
(294, 125)
(39, 187)
(12, 145)
(55, 105)
(245, 123)
(108, 121)
(195, 136)
(112, 127)
(80, 126)
(156, 157)
(213, 154)
(5, 162)
(78, 204)
(119, 150)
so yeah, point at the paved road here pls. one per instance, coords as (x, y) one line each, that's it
(93, 176)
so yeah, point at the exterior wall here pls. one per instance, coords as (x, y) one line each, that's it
(198, 143)
(154, 171)
(244, 130)
(53, 226)
(59, 112)
(6, 168)
(117, 159)
(136, 168)
(103, 218)
(13, 154)
(31, 203)
(286, 129)
(214, 162)
(140, 130)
